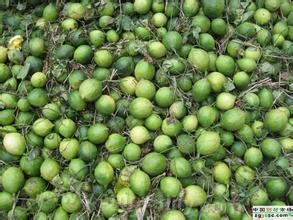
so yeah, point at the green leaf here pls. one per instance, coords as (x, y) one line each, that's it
(244, 4)
(2, 105)
(195, 32)
(15, 55)
(21, 6)
(125, 23)
(260, 3)
(229, 86)
(23, 71)
(247, 15)
(167, 64)
(267, 68)
(33, 154)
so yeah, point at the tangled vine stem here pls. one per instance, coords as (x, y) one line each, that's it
(262, 83)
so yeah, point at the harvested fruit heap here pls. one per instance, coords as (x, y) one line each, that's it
(145, 110)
